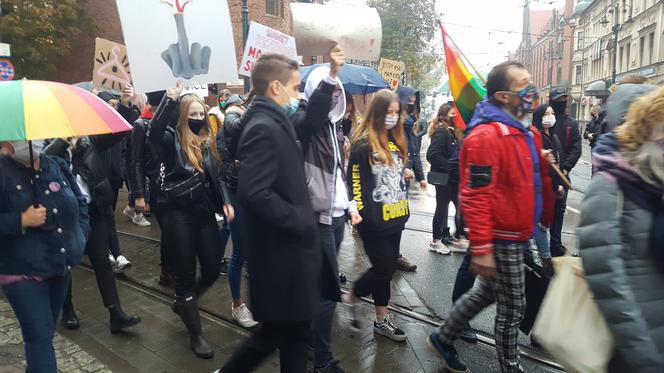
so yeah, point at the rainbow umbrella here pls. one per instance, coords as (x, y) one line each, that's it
(35, 110)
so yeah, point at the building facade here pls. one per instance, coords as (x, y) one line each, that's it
(275, 14)
(597, 53)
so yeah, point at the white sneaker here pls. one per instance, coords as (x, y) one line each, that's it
(438, 247)
(459, 245)
(112, 260)
(129, 212)
(243, 316)
(219, 218)
(122, 263)
(140, 220)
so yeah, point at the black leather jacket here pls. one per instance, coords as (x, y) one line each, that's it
(177, 167)
(142, 162)
(228, 138)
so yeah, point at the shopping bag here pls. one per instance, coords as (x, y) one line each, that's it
(569, 325)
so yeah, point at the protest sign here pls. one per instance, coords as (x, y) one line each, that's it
(111, 68)
(391, 70)
(199, 90)
(262, 40)
(176, 44)
(318, 28)
(5, 50)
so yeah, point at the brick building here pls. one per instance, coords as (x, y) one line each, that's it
(77, 66)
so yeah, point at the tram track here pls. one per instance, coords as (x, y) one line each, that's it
(157, 294)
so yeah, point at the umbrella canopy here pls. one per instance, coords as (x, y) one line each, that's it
(35, 110)
(356, 79)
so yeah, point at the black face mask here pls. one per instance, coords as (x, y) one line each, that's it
(335, 101)
(559, 106)
(410, 108)
(195, 125)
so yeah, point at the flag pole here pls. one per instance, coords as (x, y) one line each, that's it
(446, 35)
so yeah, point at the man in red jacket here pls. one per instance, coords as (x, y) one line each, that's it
(504, 192)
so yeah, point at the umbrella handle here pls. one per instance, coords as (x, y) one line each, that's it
(32, 175)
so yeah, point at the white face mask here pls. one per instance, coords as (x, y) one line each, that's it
(391, 121)
(548, 121)
(22, 150)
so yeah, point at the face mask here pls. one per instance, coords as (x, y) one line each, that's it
(335, 101)
(410, 108)
(391, 121)
(559, 106)
(291, 107)
(222, 104)
(195, 125)
(527, 98)
(22, 150)
(548, 121)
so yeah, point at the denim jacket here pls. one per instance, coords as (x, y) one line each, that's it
(58, 245)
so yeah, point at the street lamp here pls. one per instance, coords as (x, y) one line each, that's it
(245, 34)
(615, 29)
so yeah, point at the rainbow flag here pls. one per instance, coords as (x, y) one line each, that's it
(466, 89)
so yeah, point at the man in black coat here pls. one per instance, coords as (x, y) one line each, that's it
(283, 251)
(567, 131)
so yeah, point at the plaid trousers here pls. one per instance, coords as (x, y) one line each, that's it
(508, 290)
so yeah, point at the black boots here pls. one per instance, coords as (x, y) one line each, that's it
(187, 308)
(120, 320)
(69, 318)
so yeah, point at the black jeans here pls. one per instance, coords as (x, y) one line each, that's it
(163, 241)
(444, 195)
(330, 239)
(289, 337)
(383, 250)
(192, 234)
(557, 226)
(464, 279)
(101, 224)
(113, 242)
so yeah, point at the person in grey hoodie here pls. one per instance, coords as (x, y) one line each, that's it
(318, 128)
(620, 237)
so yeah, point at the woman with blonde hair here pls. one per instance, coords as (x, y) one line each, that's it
(620, 235)
(193, 193)
(378, 155)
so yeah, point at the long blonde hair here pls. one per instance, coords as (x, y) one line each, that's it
(191, 143)
(642, 135)
(372, 129)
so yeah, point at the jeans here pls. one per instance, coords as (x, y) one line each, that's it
(382, 250)
(444, 195)
(289, 337)
(193, 234)
(541, 237)
(464, 279)
(557, 226)
(507, 289)
(238, 258)
(37, 306)
(330, 239)
(113, 241)
(163, 241)
(101, 225)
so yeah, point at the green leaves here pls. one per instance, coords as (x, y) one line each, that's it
(41, 30)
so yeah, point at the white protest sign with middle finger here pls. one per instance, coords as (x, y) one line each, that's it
(318, 28)
(177, 43)
(263, 40)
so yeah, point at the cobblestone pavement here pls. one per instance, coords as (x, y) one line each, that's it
(71, 358)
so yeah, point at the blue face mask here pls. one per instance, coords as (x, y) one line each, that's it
(291, 107)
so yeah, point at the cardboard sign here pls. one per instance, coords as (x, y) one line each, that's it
(318, 28)
(111, 69)
(391, 70)
(262, 40)
(5, 50)
(177, 42)
(199, 90)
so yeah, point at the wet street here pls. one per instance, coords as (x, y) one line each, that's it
(160, 343)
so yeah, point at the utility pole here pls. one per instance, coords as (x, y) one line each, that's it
(245, 35)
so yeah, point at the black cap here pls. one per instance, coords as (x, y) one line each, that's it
(154, 98)
(558, 92)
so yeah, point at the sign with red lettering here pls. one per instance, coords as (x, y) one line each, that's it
(6, 69)
(263, 40)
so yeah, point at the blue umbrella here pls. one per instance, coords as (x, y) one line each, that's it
(357, 80)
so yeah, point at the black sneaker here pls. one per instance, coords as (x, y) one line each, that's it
(404, 265)
(468, 335)
(224, 266)
(331, 367)
(388, 329)
(448, 353)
